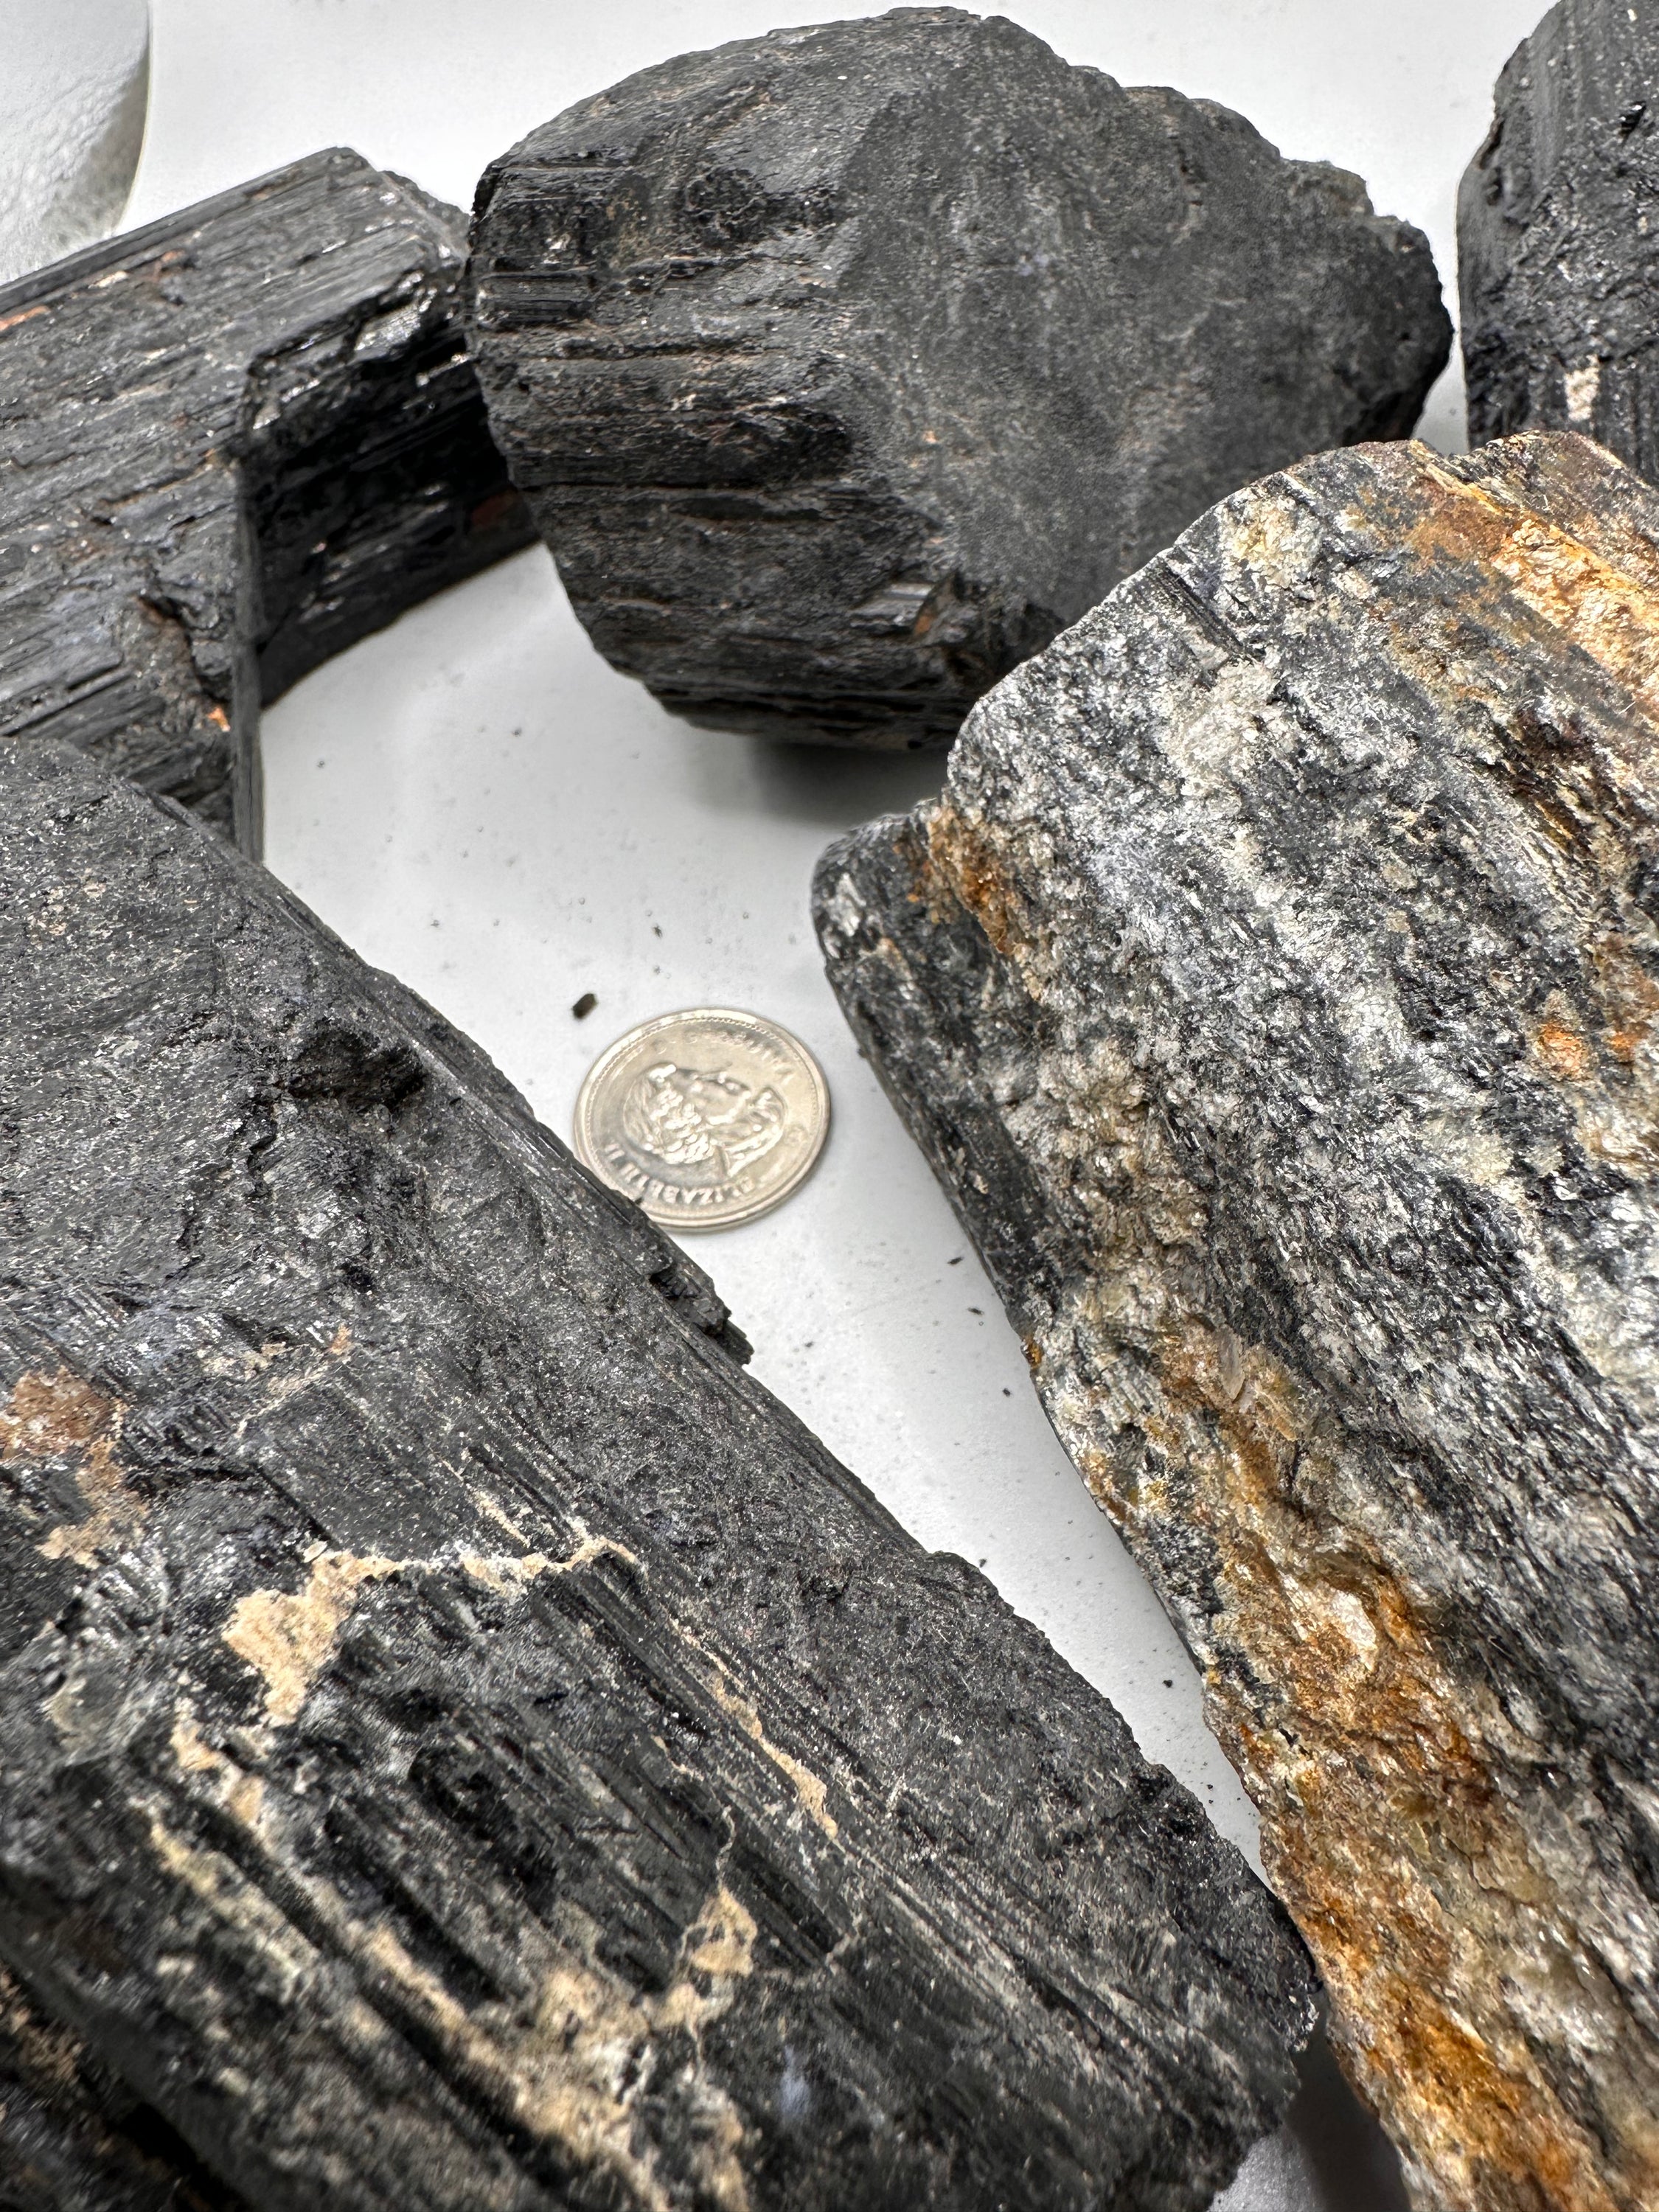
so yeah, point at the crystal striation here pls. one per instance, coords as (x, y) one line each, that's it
(1274, 990)
(1558, 235)
(842, 366)
(234, 441)
(464, 1746)
(74, 2138)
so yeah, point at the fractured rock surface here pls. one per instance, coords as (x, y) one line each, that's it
(1273, 989)
(462, 1745)
(1558, 235)
(231, 444)
(73, 2138)
(843, 366)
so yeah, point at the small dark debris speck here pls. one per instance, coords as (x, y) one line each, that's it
(584, 1006)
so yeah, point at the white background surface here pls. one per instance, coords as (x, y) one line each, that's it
(70, 103)
(477, 802)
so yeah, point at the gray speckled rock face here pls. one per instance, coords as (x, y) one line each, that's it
(842, 366)
(232, 443)
(1274, 990)
(464, 1746)
(1558, 235)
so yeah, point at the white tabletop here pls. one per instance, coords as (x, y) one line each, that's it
(475, 801)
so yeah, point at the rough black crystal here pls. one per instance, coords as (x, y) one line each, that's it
(233, 442)
(841, 368)
(462, 1742)
(1558, 235)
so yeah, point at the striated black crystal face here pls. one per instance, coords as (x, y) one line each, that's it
(842, 367)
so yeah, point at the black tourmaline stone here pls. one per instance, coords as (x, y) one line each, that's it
(231, 444)
(842, 367)
(74, 2138)
(464, 1746)
(1558, 235)
(1276, 991)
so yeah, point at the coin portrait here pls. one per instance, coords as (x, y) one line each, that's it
(706, 1118)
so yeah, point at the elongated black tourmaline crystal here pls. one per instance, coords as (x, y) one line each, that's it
(1558, 235)
(231, 444)
(462, 1742)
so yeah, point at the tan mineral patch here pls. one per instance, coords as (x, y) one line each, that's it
(508, 1573)
(242, 1793)
(574, 2072)
(59, 1416)
(809, 1787)
(511, 1573)
(52, 2053)
(46, 1416)
(722, 1942)
(574, 2075)
(286, 1958)
(1581, 387)
(115, 1514)
(964, 863)
(288, 1638)
(718, 2166)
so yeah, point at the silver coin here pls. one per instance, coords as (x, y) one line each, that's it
(706, 1118)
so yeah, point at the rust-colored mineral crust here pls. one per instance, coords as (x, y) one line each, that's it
(1273, 989)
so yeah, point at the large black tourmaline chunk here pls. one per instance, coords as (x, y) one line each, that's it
(231, 444)
(463, 1744)
(842, 367)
